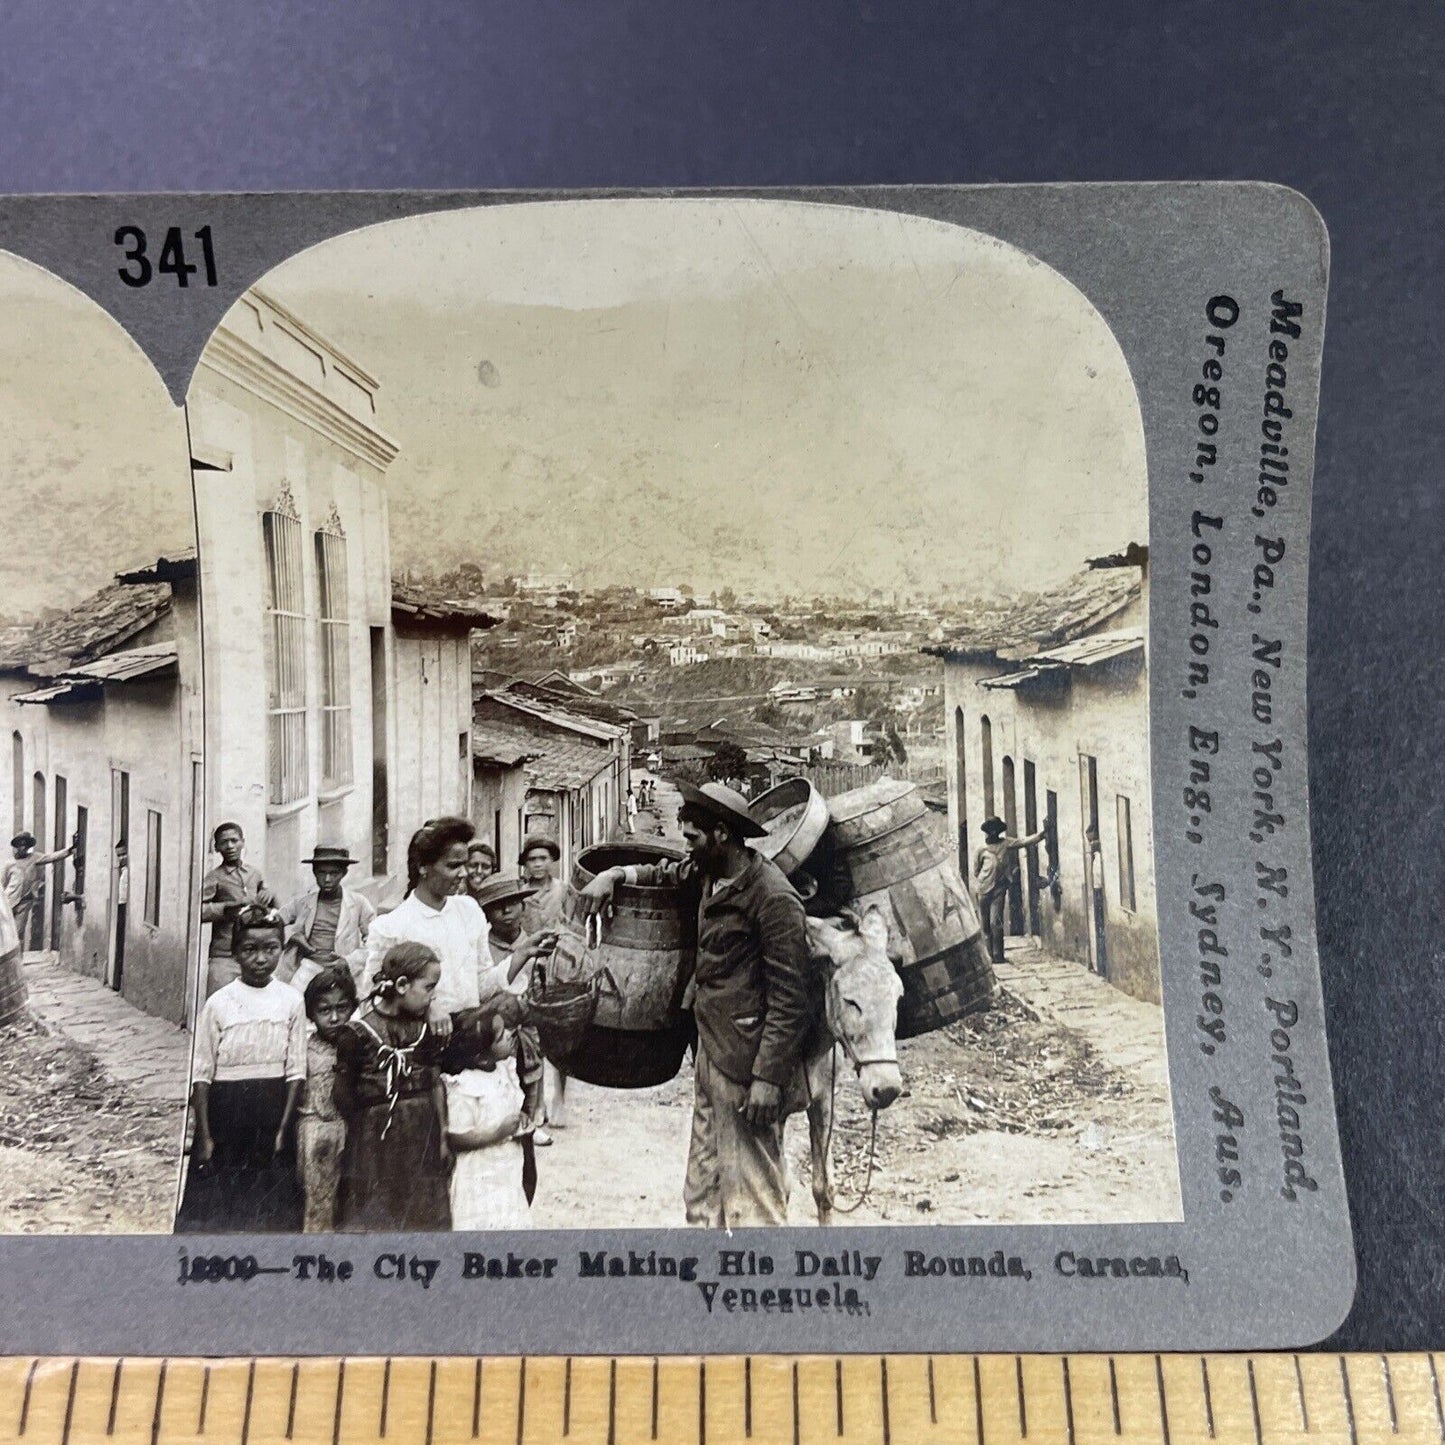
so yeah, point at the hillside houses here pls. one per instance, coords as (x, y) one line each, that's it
(1047, 709)
(542, 765)
(103, 707)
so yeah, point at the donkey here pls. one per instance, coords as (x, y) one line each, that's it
(859, 1017)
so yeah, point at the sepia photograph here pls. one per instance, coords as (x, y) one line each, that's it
(100, 676)
(676, 729)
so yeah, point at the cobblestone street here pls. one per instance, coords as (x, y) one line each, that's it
(90, 1130)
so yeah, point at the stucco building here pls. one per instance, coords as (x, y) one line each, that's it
(338, 708)
(1047, 710)
(103, 708)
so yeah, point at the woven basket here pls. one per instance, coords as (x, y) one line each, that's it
(563, 1012)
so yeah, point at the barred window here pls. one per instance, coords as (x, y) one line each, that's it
(289, 778)
(335, 660)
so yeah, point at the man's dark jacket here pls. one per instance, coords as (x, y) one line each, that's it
(752, 1005)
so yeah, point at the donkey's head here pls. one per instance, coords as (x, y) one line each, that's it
(862, 999)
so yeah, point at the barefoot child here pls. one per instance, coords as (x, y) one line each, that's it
(484, 1113)
(388, 1089)
(321, 1134)
(250, 1065)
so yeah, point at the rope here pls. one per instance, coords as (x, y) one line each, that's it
(872, 1141)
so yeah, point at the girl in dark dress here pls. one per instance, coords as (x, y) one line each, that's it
(388, 1088)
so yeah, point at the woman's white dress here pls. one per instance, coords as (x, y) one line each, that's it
(486, 1187)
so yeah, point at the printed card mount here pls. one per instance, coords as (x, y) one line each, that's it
(862, 636)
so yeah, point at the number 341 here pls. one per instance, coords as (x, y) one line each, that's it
(172, 259)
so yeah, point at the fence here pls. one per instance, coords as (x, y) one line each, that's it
(831, 779)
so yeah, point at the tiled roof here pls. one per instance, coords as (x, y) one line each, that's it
(412, 605)
(99, 625)
(1081, 604)
(569, 719)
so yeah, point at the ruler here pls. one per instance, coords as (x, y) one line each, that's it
(1265, 1399)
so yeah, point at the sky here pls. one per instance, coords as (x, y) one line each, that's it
(92, 452)
(764, 395)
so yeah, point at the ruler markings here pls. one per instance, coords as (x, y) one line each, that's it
(385, 1394)
(1163, 1401)
(612, 1403)
(566, 1396)
(748, 1397)
(883, 1400)
(1019, 1391)
(114, 1397)
(70, 1402)
(838, 1395)
(1435, 1388)
(977, 1403)
(932, 1396)
(1254, 1402)
(431, 1401)
(160, 1397)
(702, 1402)
(1114, 1395)
(1349, 1402)
(1068, 1399)
(797, 1428)
(1389, 1394)
(205, 1400)
(336, 1414)
(521, 1404)
(655, 1372)
(250, 1394)
(25, 1399)
(1299, 1388)
(291, 1404)
(477, 1401)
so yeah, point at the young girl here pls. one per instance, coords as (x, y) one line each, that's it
(388, 1089)
(321, 1134)
(484, 1112)
(250, 1064)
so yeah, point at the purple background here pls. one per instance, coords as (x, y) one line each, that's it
(1344, 101)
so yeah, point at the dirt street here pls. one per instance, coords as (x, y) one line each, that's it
(1009, 1117)
(80, 1153)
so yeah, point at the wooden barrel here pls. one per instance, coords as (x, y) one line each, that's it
(881, 852)
(649, 945)
(795, 814)
(14, 995)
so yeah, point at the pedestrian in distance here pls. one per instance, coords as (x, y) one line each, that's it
(321, 1131)
(995, 866)
(23, 881)
(247, 1077)
(388, 1088)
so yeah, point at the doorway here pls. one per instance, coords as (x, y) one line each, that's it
(1094, 906)
(119, 876)
(57, 893)
(960, 770)
(1031, 853)
(1011, 823)
(42, 873)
